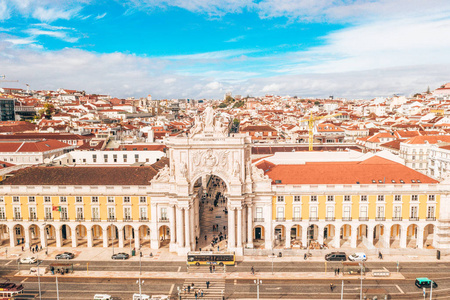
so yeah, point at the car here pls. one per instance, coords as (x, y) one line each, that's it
(141, 297)
(336, 256)
(28, 260)
(160, 297)
(424, 282)
(358, 256)
(65, 255)
(102, 297)
(120, 256)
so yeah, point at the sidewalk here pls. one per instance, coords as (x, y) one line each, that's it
(163, 254)
(227, 275)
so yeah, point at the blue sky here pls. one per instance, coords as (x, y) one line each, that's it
(204, 48)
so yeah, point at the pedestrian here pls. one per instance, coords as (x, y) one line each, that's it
(22, 248)
(218, 248)
(201, 293)
(206, 237)
(331, 287)
(304, 256)
(214, 269)
(224, 228)
(32, 250)
(184, 290)
(196, 295)
(210, 268)
(189, 289)
(207, 284)
(37, 248)
(192, 285)
(335, 272)
(339, 270)
(253, 270)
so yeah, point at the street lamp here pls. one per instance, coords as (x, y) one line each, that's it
(57, 289)
(360, 295)
(258, 282)
(39, 277)
(112, 238)
(272, 257)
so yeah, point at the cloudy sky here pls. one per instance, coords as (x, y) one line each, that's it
(204, 48)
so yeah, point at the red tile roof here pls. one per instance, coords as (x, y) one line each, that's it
(364, 172)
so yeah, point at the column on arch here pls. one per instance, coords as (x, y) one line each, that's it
(105, 238)
(179, 224)
(58, 236)
(305, 235)
(268, 230)
(12, 236)
(89, 237)
(137, 237)
(288, 236)
(403, 236)
(337, 237)
(370, 229)
(43, 236)
(192, 226)
(172, 224)
(231, 228)
(249, 225)
(239, 226)
(74, 237)
(121, 237)
(353, 236)
(27, 237)
(419, 240)
(187, 222)
(320, 234)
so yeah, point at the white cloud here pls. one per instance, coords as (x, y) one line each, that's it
(4, 11)
(35, 32)
(100, 16)
(235, 39)
(52, 14)
(21, 41)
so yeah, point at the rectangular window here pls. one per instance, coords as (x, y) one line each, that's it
(313, 198)
(380, 211)
(259, 212)
(63, 199)
(297, 198)
(363, 211)
(143, 213)
(397, 211)
(142, 199)
(32, 199)
(347, 211)
(105, 157)
(124, 158)
(2, 213)
(330, 212)
(48, 213)
(16, 199)
(126, 199)
(110, 199)
(330, 198)
(94, 199)
(297, 212)
(414, 210)
(111, 213)
(95, 213)
(136, 157)
(17, 214)
(127, 213)
(398, 198)
(64, 215)
(47, 199)
(313, 212)
(430, 212)
(380, 198)
(164, 213)
(115, 157)
(414, 197)
(347, 198)
(280, 198)
(80, 213)
(94, 157)
(78, 199)
(2, 199)
(363, 198)
(431, 197)
(280, 212)
(33, 213)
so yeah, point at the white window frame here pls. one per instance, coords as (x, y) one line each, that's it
(363, 198)
(111, 200)
(297, 198)
(127, 213)
(16, 199)
(126, 199)
(47, 199)
(95, 212)
(313, 198)
(280, 199)
(79, 199)
(365, 211)
(280, 212)
(142, 200)
(345, 209)
(313, 209)
(62, 199)
(94, 199)
(330, 198)
(347, 198)
(380, 198)
(297, 212)
(31, 199)
(432, 198)
(414, 198)
(397, 198)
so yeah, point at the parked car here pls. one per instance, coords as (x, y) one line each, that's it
(28, 260)
(336, 256)
(424, 282)
(359, 256)
(65, 255)
(120, 256)
(102, 297)
(160, 297)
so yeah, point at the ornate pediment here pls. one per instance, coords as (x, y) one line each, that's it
(258, 174)
(163, 175)
(209, 124)
(210, 161)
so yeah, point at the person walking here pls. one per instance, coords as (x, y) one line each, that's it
(253, 270)
(207, 284)
(339, 270)
(331, 287)
(201, 293)
(195, 295)
(189, 289)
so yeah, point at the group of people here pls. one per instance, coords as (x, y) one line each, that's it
(33, 249)
(198, 293)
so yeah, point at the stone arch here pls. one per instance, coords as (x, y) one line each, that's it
(345, 234)
(429, 236)
(128, 235)
(4, 234)
(66, 234)
(259, 236)
(35, 234)
(396, 232)
(296, 236)
(144, 235)
(379, 232)
(411, 236)
(81, 234)
(202, 174)
(279, 234)
(329, 233)
(362, 234)
(97, 235)
(112, 233)
(164, 235)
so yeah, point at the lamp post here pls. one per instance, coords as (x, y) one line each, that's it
(39, 277)
(272, 257)
(112, 238)
(361, 293)
(57, 288)
(258, 282)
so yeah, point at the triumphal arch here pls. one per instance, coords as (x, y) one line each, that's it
(208, 152)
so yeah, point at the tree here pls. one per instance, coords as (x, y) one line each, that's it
(316, 102)
(49, 109)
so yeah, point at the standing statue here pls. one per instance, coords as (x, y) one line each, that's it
(198, 126)
(209, 117)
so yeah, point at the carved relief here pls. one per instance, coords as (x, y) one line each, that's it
(163, 175)
(258, 174)
(209, 160)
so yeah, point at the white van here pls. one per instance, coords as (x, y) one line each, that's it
(160, 297)
(359, 256)
(141, 297)
(102, 297)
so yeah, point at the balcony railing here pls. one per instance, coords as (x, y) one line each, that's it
(431, 218)
(127, 219)
(414, 218)
(143, 219)
(258, 220)
(280, 219)
(346, 218)
(2, 218)
(32, 219)
(380, 219)
(397, 218)
(112, 219)
(49, 219)
(79, 219)
(163, 220)
(364, 218)
(329, 218)
(64, 219)
(313, 218)
(296, 219)
(17, 219)
(95, 220)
